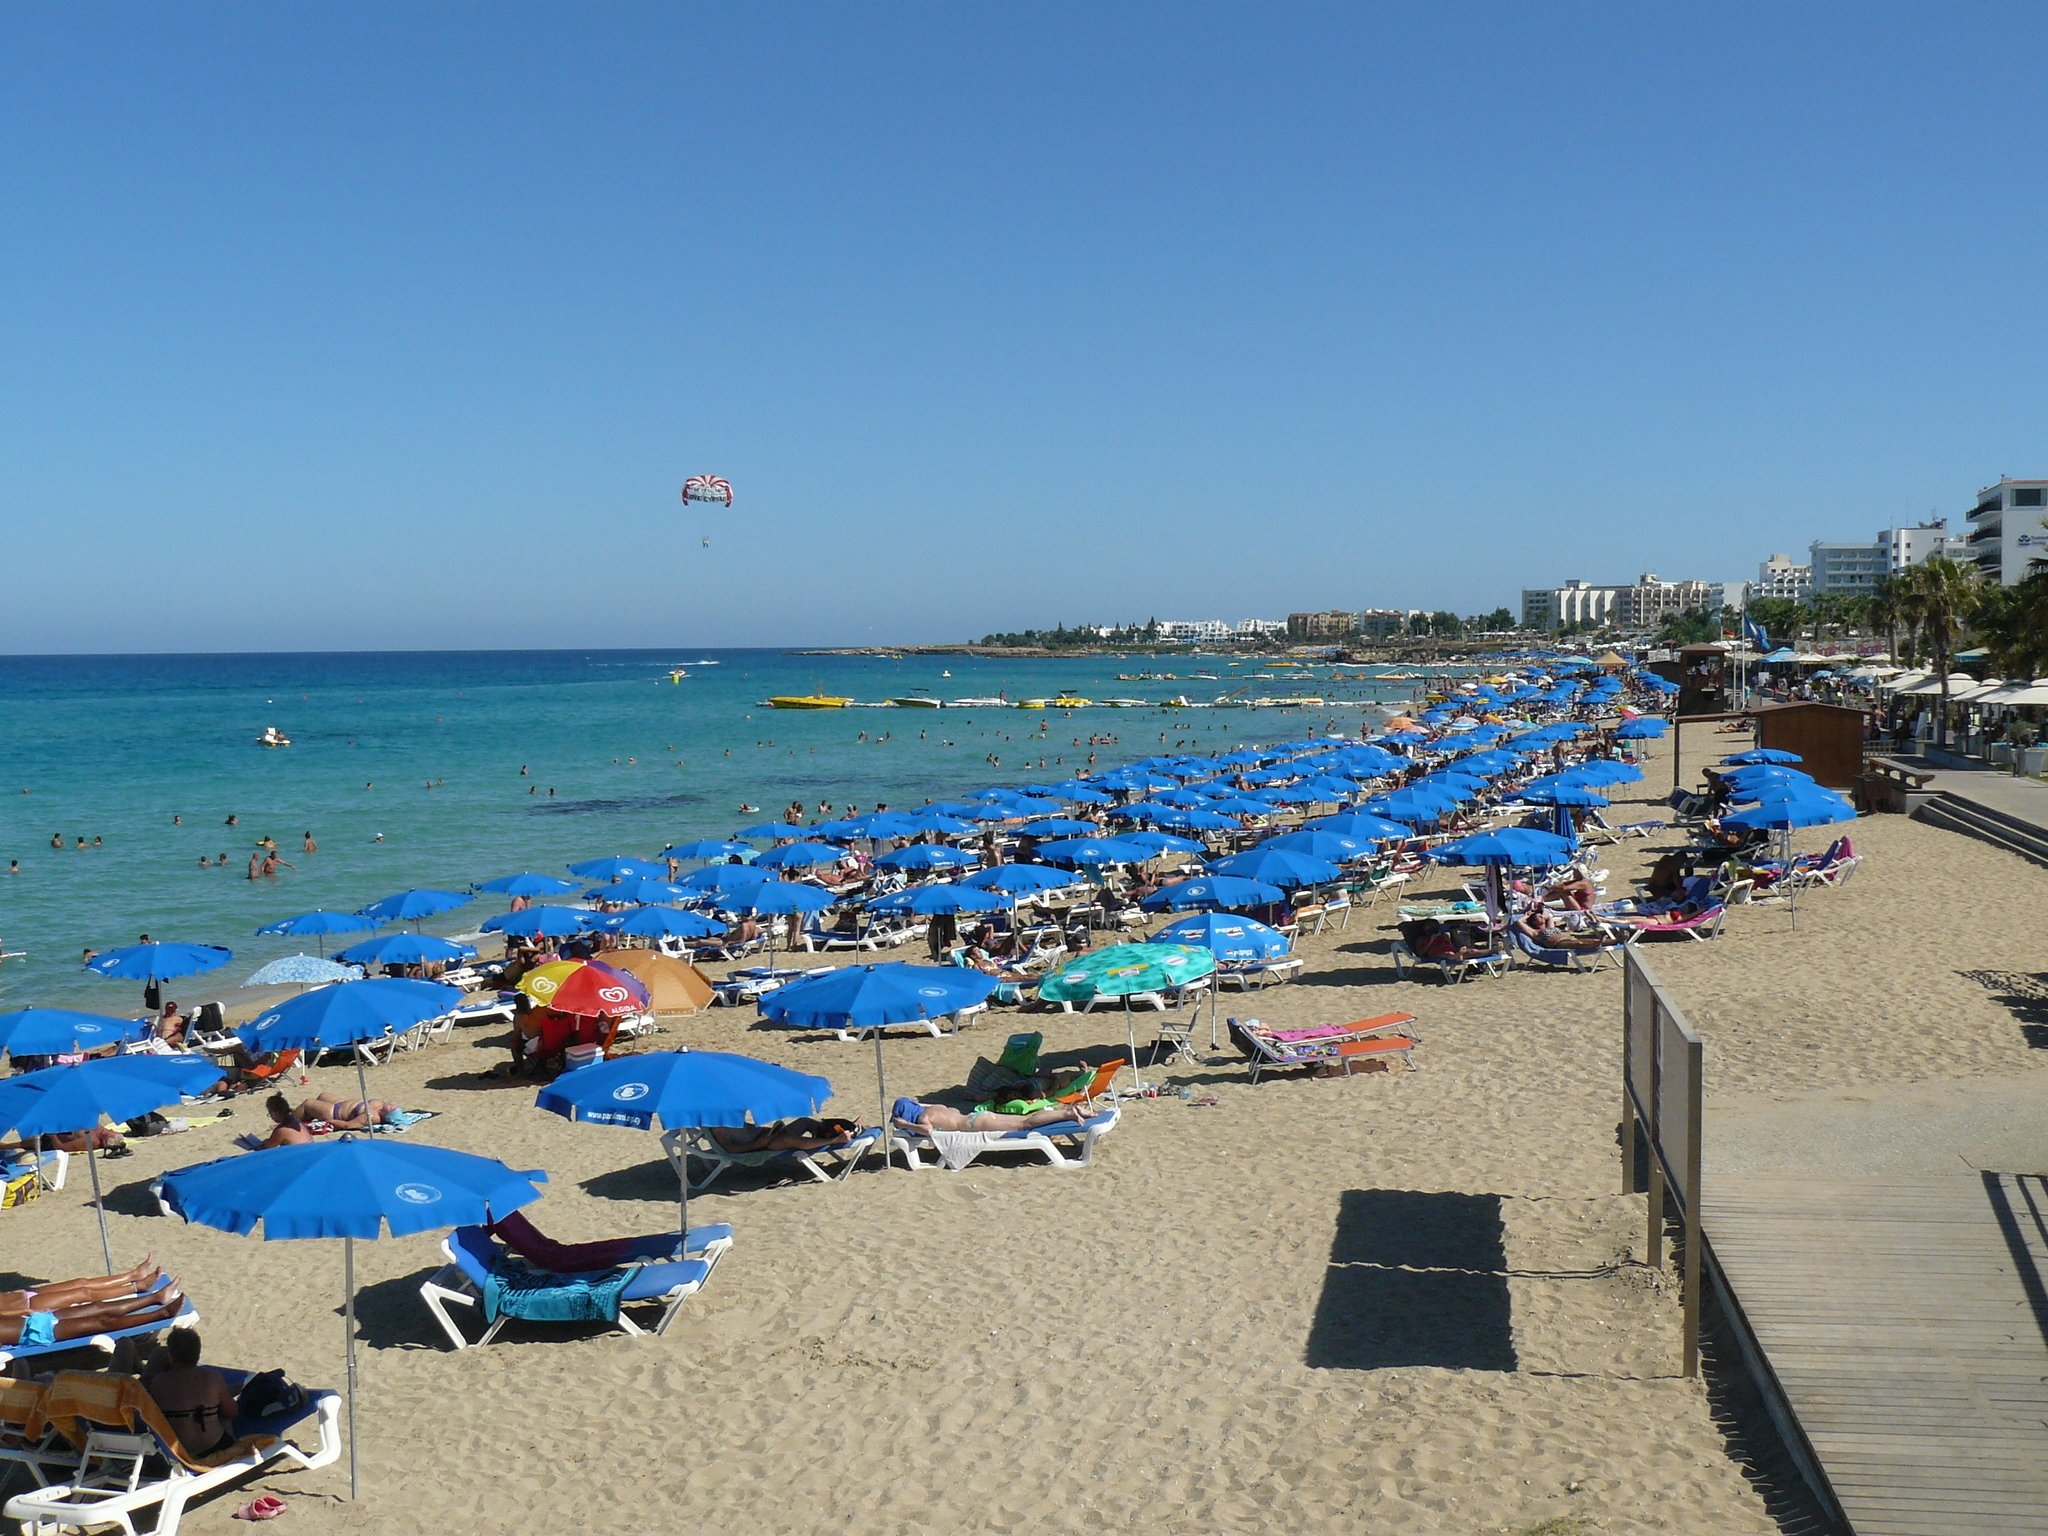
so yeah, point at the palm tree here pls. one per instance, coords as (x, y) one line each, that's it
(1882, 610)
(1947, 596)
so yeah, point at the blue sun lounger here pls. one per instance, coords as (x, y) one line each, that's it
(188, 1317)
(475, 1260)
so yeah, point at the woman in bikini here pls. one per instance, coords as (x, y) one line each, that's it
(70, 1293)
(347, 1114)
(82, 1320)
(286, 1128)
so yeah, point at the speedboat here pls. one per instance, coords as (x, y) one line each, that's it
(809, 701)
(273, 737)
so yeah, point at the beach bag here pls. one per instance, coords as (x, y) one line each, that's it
(268, 1394)
(150, 1124)
(20, 1189)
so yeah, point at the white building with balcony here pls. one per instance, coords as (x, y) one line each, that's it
(1782, 577)
(2008, 531)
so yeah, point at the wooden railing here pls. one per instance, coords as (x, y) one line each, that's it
(1661, 1071)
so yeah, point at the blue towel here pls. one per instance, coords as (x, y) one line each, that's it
(543, 1297)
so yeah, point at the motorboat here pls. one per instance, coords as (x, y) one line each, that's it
(809, 701)
(273, 737)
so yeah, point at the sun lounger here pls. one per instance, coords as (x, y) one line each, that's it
(477, 1266)
(1063, 1146)
(128, 1458)
(1563, 958)
(1351, 1046)
(746, 984)
(187, 1317)
(1451, 970)
(824, 1164)
(1700, 926)
(1247, 974)
(526, 1240)
(1096, 1086)
(28, 1440)
(50, 1167)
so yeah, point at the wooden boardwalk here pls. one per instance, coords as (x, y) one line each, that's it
(1906, 1326)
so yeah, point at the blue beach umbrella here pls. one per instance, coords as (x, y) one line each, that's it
(56, 1031)
(1191, 819)
(944, 825)
(1506, 847)
(651, 892)
(159, 961)
(619, 867)
(302, 971)
(681, 1091)
(1207, 893)
(1755, 755)
(1560, 794)
(662, 923)
(407, 949)
(414, 906)
(1781, 811)
(1230, 938)
(724, 883)
(337, 1018)
(55, 1101)
(1362, 825)
(1320, 843)
(1019, 879)
(710, 848)
(1277, 866)
(1600, 772)
(309, 924)
(1160, 842)
(800, 855)
(940, 900)
(1093, 852)
(527, 883)
(1640, 728)
(925, 856)
(867, 997)
(1057, 826)
(780, 898)
(541, 922)
(349, 1187)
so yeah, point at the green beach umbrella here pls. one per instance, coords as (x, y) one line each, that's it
(1123, 970)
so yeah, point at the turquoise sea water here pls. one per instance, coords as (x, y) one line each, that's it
(116, 747)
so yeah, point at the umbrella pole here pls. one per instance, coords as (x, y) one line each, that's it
(348, 1315)
(882, 1098)
(362, 1078)
(92, 1164)
(1131, 1034)
(683, 1203)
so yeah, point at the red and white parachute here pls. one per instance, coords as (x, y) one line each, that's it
(707, 488)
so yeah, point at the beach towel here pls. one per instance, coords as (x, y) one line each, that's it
(402, 1120)
(542, 1297)
(957, 1149)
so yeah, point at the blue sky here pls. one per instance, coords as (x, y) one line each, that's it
(399, 325)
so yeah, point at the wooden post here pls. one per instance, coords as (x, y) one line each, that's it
(1628, 1107)
(1654, 1240)
(1695, 1065)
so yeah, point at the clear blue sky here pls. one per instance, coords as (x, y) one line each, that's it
(334, 326)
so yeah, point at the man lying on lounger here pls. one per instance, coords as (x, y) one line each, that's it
(78, 1309)
(911, 1115)
(802, 1135)
(1536, 926)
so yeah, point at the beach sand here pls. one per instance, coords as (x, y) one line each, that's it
(1404, 1301)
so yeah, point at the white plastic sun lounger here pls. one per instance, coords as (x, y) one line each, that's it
(131, 1460)
(824, 1164)
(1063, 1146)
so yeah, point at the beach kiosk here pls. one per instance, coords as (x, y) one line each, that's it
(1702, 680)
(1827, 737)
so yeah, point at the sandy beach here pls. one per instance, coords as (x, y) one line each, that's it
(1404, 1301)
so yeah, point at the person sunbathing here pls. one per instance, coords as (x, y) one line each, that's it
(801, 1135)
(348, 1114)
(286, 1128)
(1539, 930)
(196, 1399)
(82, 1320)
(127, 1285)
(909, 1114)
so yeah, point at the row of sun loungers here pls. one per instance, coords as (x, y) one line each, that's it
(101, 1452)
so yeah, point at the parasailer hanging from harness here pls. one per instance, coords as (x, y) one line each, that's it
(707, 488)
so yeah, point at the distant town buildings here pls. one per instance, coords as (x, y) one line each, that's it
(1382, 623)
(1200, 631)
(1643, 604)
(1781, 576)
(1335, 624)
(2008, 530)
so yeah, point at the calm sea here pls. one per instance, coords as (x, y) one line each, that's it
(407, 769)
